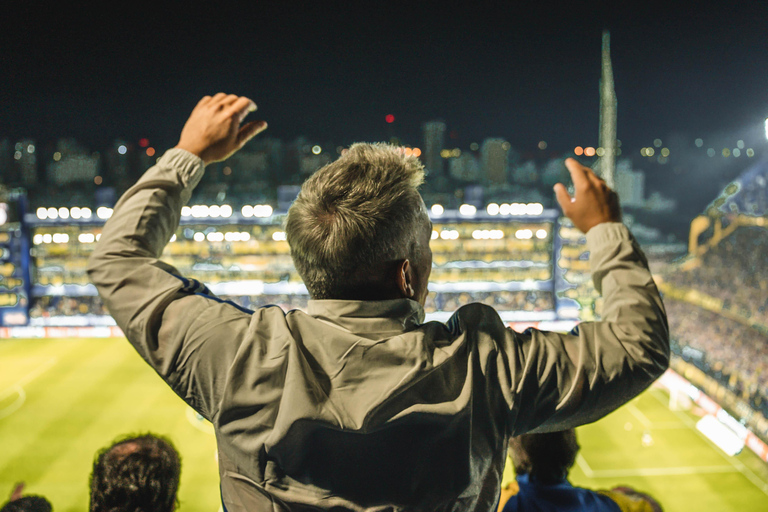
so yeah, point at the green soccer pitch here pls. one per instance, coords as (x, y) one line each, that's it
(61, 400)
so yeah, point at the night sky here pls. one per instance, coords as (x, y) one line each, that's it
(521, 70)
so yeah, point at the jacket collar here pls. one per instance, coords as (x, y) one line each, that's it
(369, 318)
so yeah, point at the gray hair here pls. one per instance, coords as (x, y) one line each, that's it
(355, 216)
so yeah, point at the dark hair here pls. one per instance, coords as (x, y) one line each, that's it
(28, 504)
(136, 474)
(546, 457)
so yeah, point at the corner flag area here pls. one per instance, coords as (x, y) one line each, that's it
(61, 400)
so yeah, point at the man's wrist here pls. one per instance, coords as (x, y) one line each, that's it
(189, 166)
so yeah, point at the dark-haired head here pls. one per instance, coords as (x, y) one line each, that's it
(546, 457)
(136, 474)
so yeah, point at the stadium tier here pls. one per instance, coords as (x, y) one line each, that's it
(531, 266)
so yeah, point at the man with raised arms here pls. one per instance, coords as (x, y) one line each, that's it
(357, 404)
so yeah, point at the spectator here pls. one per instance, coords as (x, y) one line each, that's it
(358, 403)
(136, 474)
(542, 463)
(30, 503)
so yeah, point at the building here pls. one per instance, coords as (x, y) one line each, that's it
(464, 168)
(72, 164)
(630, 185)
(434, 143)
(494, 158)
(26, 162)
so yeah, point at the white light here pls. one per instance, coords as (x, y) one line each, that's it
(103, 212)
(47, 238)
(214, 211)
(437, 209)
(523, 234)
(37, 239)
(85, 213)
(226, 211)
(31, 149)
(766, 127)
(467, 210)
(199, 237)
(186, 211)
(262, 210)
(449, 234)
(86, 238)
(199, 211)
(723, 437)
(53, 213)
(60, 238)
(245, 236)
(63, 213)
(504, 209)
(279, 236)
(98, 236)
(42, 213)
(247, 211)
(231, 237)
(122, 149)
(478, 234)
(215, 236)
(317, 150)
(534, 209)
(173, 238)
(492, 209)
(75, 212)
(541, 234)
(517, 209)
(435, 234)
(17, 155)
(497, 234)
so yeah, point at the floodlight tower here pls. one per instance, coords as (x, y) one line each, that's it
(608, 102)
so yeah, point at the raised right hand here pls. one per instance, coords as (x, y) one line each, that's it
(213, 130)
(593, 203)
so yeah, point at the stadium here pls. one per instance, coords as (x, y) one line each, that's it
(701, 426)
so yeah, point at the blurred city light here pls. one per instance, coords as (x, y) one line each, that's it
(578, 151)
(122, 149)
(542, 144)
(665, 152)
(711, 152)
(150, 151)
(56, 156)
(766, 127)
(699, 143)
(750, 152)
(416, 152)
(389, 118)
(317, 150)
(657, 143)
(143, 143)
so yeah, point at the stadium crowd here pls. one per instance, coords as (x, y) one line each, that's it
(735, 271)
(732, 353)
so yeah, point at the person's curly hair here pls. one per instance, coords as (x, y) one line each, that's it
(136, 474)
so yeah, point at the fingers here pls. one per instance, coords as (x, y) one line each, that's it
(579, 173)
(563, 197)
(249, 131)
(241, 107)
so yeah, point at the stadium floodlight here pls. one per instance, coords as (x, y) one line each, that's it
(53, 213)
(47, 238)
(437, 210)
(523, 234)
(541, 234)
(518, 209)
(215, 236)
(226, 211)
(467, 210)
(199, 211)
(103, 212)
(63, 213)
(496, 234)
(42, 213)
(86, 238)
(60, 238)
(74, 212)
(85, 212)
(262, 210)
(37, 239)
(492, 209)
(173, 238)
(279, 236)
(534, 209)
(505, 209)
(186, 211)
(247, 211)
(214, 211)
(244, 237)
(198, 237)
(435, 235)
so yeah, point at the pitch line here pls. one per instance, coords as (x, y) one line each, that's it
(642, 418)
(18, 388)
(733, 461)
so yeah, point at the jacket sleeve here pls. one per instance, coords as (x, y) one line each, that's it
(184, 332)
(553, 381)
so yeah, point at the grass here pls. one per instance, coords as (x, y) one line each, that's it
(62, 400)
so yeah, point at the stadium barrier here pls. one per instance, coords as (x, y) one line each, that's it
(675, 383)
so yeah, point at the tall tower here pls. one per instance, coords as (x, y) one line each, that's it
(434, 143)
(608, 104)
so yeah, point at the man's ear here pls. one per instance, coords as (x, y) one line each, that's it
(404, 279)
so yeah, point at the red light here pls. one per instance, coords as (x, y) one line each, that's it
(390, 118)
(150, 151)
(143, 142)
(578, 151)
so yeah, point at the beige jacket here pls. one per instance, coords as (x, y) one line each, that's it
(360, 405)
